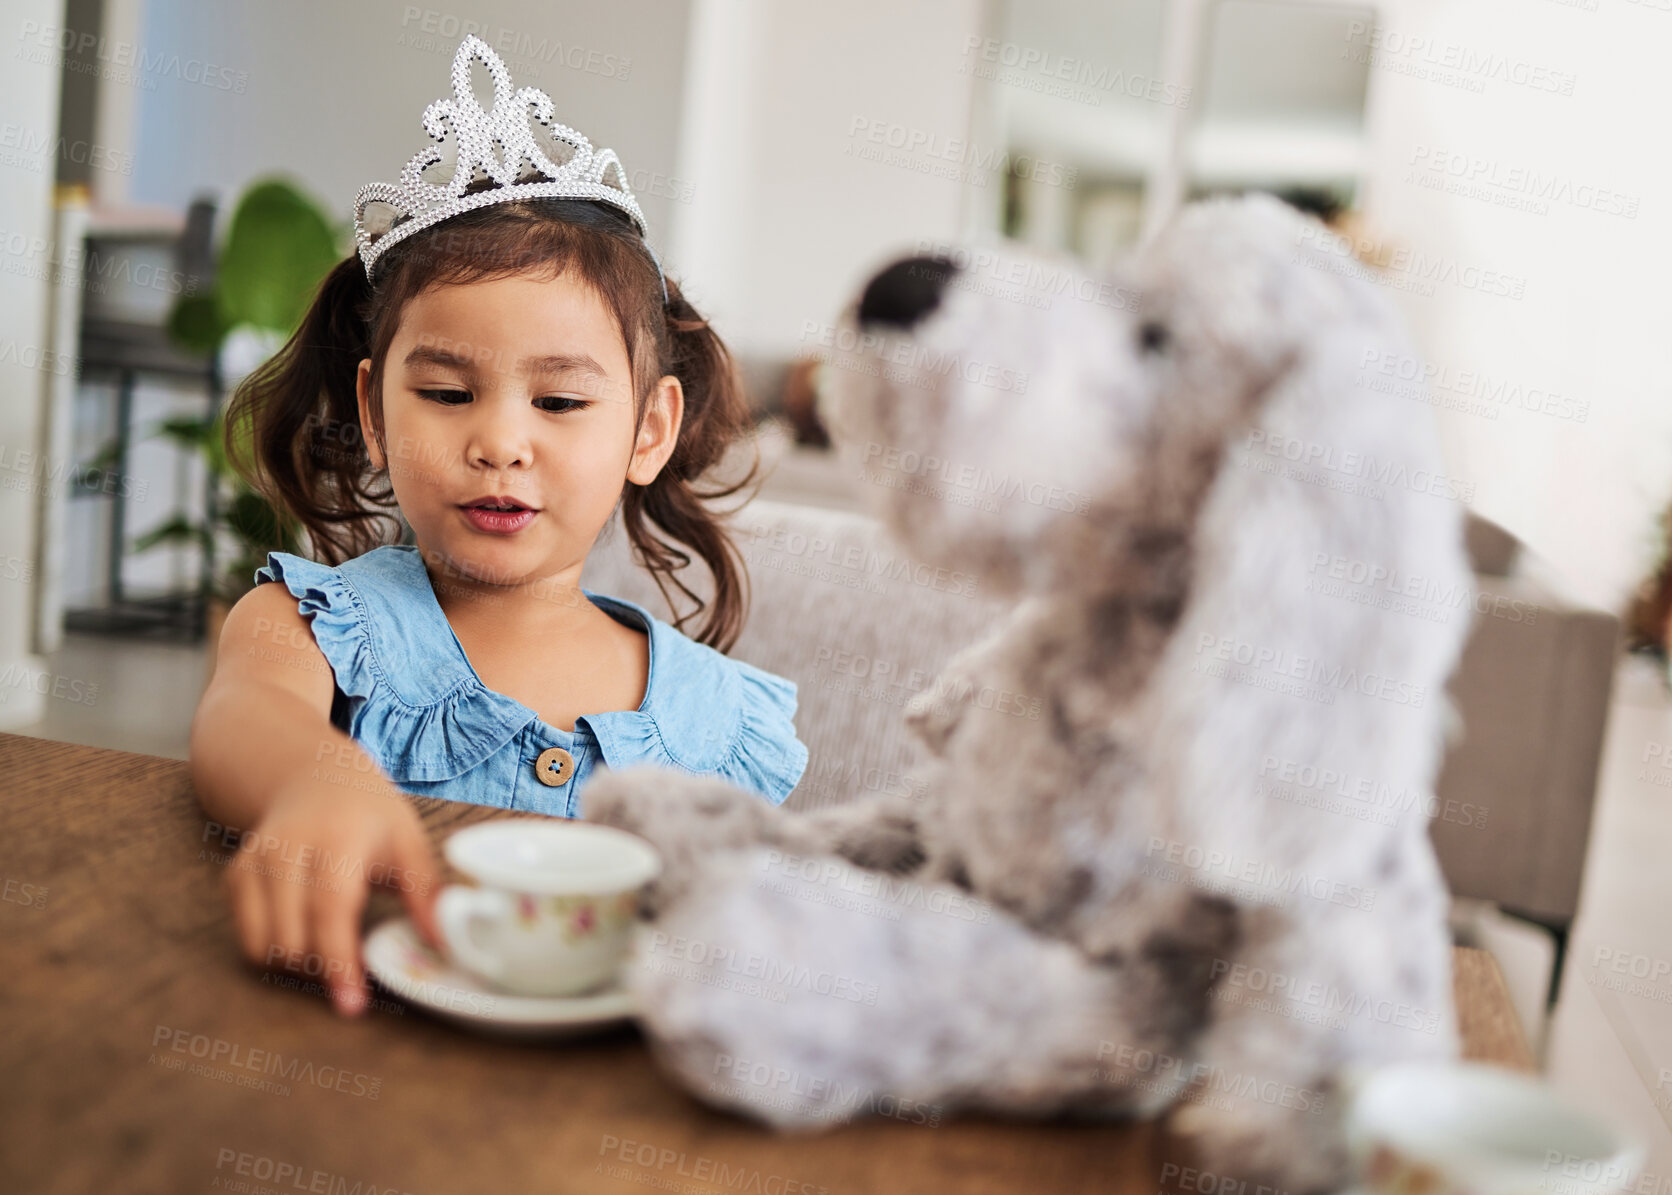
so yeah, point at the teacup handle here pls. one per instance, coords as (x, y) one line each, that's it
(458, 910)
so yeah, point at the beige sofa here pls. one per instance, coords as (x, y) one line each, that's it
(860, 626)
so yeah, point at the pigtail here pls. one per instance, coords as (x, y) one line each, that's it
(293, 426)
(716, 414)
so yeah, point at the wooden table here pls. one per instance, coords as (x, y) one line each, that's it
(115, 936)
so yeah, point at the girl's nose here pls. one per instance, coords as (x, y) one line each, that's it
(498, 441)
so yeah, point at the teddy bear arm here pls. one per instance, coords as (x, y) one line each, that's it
(875, 833)
(927, 999)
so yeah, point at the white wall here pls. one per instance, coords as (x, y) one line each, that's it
(332, 92)
(28, 99)
(1596, 320)
(788, 218)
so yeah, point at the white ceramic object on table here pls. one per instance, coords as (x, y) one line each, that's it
(553, 907)
(1463, 1128)
(402, 962)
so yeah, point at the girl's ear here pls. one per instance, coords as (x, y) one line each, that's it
(363, 392)
(658, 431)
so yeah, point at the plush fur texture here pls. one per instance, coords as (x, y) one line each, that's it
(1201, 881)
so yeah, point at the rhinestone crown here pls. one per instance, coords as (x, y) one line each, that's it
(553, 161)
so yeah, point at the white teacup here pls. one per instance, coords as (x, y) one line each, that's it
(552, 912)
(1450, 1128)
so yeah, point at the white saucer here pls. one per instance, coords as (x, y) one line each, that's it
(404, 963)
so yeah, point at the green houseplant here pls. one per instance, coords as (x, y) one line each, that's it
(278, 248)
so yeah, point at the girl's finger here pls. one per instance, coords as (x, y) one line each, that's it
(287, 894)
(415, 874)
(249, 912)
(336, 910)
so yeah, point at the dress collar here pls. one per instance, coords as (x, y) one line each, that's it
(691, 715)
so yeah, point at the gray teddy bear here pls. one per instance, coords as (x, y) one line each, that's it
(1201, 883)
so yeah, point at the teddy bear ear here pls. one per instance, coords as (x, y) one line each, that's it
(903, 293)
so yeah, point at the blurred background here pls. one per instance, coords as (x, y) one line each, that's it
(176, 174)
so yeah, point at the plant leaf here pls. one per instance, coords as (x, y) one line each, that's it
(197, 324)
(177, 530)
(278, 249)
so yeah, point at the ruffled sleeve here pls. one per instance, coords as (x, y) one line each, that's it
(337, 617)
(414, 703)
(768, 758)
(710, 715)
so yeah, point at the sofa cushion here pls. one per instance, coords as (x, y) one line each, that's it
(837, 607)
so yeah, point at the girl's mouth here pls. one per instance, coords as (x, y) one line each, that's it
(497, 515)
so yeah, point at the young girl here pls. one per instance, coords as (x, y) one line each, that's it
(507, 375)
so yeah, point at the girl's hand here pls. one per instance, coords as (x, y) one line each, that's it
(301, 877)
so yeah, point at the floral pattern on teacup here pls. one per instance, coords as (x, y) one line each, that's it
(584, 916)
(1392, 1174)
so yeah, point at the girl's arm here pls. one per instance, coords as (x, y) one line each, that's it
(324, 822)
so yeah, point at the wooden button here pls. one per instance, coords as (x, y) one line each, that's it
(555, 766)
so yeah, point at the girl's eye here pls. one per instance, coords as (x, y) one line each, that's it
(448, 398)
(557, 404)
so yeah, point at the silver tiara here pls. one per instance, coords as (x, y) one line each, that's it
(552, 161)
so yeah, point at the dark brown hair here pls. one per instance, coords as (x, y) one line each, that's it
(293, 429)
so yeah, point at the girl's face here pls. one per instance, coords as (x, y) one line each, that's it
(508, 425)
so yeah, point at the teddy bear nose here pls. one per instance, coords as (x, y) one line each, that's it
(905, 292)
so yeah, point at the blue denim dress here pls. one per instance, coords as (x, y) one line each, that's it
(407, 693)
